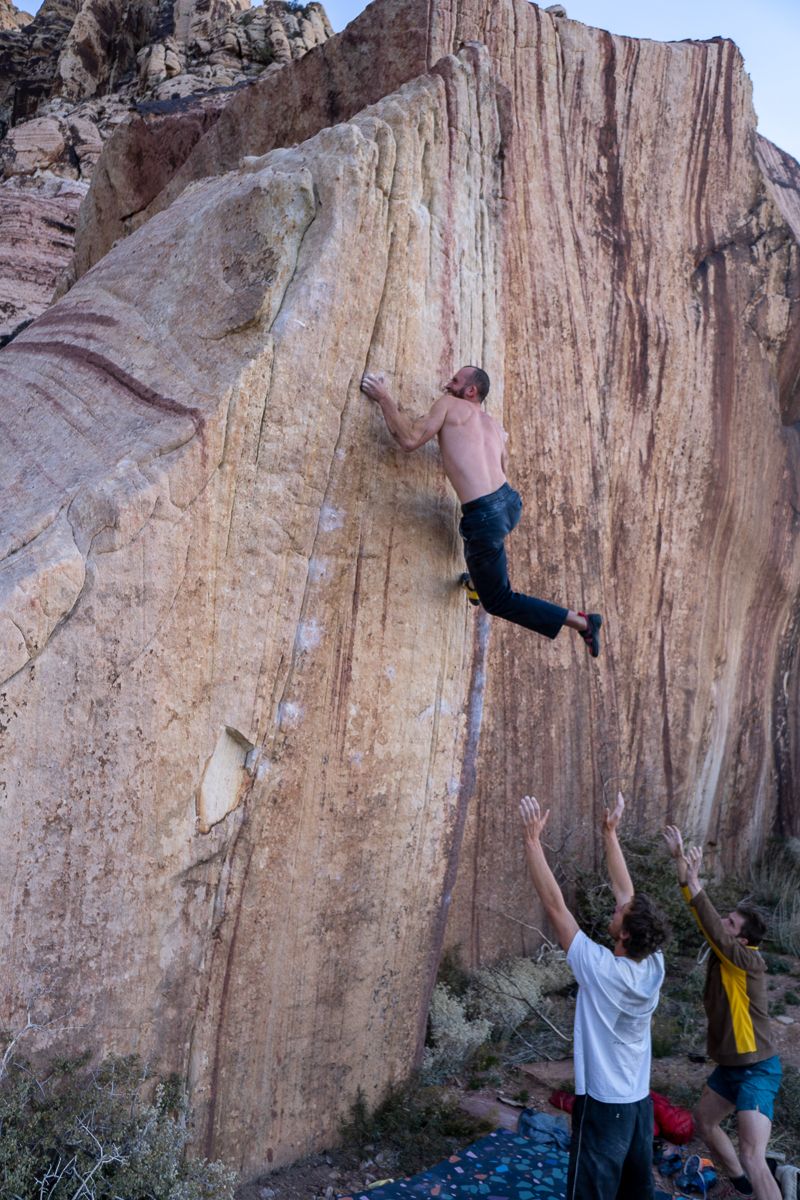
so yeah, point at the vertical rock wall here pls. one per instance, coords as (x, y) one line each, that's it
(246, 718)
(651, 357)
(229, 605)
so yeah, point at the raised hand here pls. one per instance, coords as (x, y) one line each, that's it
(673, 838)
(694, 861)
(533, 821)
(613, 816)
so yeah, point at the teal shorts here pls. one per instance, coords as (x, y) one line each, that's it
(752, 1088)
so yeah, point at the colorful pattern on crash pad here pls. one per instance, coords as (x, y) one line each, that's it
(502, 1166)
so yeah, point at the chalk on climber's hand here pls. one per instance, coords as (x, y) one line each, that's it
(372, 383)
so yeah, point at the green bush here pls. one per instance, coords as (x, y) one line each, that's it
(100, 1134)
(652, 872)
(665, 1035)
(776, 964)
(414, 1125)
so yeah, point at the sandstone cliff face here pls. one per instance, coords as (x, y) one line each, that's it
(656, 354)
(190, 573)
(77, 49)
(248, 719)
(12, 17)
(80, 71)
(36, 238)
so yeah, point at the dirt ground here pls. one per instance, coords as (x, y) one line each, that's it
(327, 1176)
(315, 1178)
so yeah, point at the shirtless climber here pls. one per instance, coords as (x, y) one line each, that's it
(473, 447)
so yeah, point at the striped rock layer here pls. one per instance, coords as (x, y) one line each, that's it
(260, 759)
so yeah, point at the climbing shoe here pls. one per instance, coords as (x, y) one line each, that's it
(469, 588)
(591, 635)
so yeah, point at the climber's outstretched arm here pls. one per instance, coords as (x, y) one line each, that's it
(407, 432)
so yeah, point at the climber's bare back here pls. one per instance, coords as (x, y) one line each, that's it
(472, 445)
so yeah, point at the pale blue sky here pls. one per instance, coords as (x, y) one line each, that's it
(766, 31)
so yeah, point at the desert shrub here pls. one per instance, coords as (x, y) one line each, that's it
(679, 1022)
(452, 972)
(453, 1039)
(414, 1125)
(513, 992)
(653, 873)
(503, 996)
(679, 1091)
(99, 1133)
(776, 964)
(775, 882)
(665, 1035)
(553, 972)
(263, 53)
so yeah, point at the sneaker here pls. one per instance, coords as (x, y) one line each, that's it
(469, 588)
(591, 635)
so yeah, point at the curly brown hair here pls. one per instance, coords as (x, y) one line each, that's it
(754, 927)
(645, 926)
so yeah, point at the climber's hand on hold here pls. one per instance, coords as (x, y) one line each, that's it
(374, 387)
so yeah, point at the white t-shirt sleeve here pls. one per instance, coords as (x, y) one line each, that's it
(586, 959)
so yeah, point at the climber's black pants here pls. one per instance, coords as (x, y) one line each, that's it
(485, 524)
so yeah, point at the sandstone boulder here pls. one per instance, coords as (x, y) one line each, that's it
(12, 17)
(32, 146)
(180, 529)
(79, 72)
(162, 136)
(37, 228)
(261, 760)
(278, 109)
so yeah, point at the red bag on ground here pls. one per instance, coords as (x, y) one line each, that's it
(566, 1102)
(672, 1123)
(563, 1100)
(676, 1123)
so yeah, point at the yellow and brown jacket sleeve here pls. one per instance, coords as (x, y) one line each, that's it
(736, 993)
